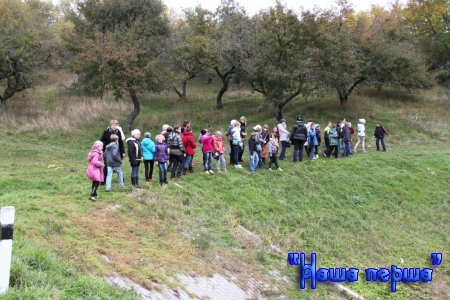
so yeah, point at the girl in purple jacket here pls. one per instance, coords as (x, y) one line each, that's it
(95, 168)
(162, 157)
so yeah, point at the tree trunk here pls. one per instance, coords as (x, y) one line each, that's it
(343, 97)
(183, 93)
(278, 111)
(219, 102)
(136, 110)
(3, 105)
(225, 77)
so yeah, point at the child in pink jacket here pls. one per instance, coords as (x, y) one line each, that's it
(207, 147)
(95, 168)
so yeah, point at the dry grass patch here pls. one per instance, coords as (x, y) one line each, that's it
(139, 249)
(66, 117)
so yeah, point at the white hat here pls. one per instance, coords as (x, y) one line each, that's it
(363, 121)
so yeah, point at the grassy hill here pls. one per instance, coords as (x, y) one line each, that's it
(372, 210)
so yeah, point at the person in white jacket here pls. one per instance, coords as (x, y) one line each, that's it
(284, 137)
(361, 135)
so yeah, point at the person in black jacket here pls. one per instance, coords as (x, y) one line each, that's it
(113, 128)
(379, 135)
(243, 121)
(253, 153)
(298, 136)
(135, 155)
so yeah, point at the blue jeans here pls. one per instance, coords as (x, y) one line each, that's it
(207, 157)
(110, 174)
(341, 146)
(162, 171)
(312, 152)
(253, 161)
(221, 160)
(188, 161)
(283, 150)
(346, 149)
(135, 171)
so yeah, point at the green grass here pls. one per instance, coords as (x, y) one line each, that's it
(372, 210)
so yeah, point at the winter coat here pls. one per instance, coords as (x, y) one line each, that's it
(148, 148)
(189, 143)
(106, 140)
(174, 142)
(319, 139)
(273, 146)
(333, 137)
(284, 134)
(161, 155)
(299, 132)
(95, 167)
(340, 132)
(380, 132)
(236, 134)
(312, 138)
(252, 146)
(352, 130)
(207, 143)
(112, 156)
(325, 136)
(134, 151)
(361, 130)
(242, 130)
(218, 145)
(265, 136)
(346, 134)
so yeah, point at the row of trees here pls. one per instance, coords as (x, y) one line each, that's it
(134, 46)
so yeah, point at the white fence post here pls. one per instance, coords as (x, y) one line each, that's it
(6, 237)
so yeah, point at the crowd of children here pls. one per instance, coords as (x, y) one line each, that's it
(175, 148)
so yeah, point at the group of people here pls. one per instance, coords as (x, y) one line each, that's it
(174, 148)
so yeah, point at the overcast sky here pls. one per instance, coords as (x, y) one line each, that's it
(253, 6)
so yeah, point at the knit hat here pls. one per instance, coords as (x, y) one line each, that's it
(147, 135)
(218, 133)
(299, 119)
(363, 121)
(317, 126)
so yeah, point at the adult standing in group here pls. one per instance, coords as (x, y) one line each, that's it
(361, 135)
(113, 128)
(148, 151)
(135, 155)
(299, 133)
(347, 138)
(237, 144)
(177, 151)
(284, 137)
(243, 124)
(229, 134)
(379, 135)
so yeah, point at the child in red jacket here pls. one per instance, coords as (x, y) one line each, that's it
(219, 151)
(189, 145)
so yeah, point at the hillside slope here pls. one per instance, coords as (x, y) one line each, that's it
(372, 210)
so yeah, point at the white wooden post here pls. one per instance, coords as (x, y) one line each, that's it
(6, 237)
